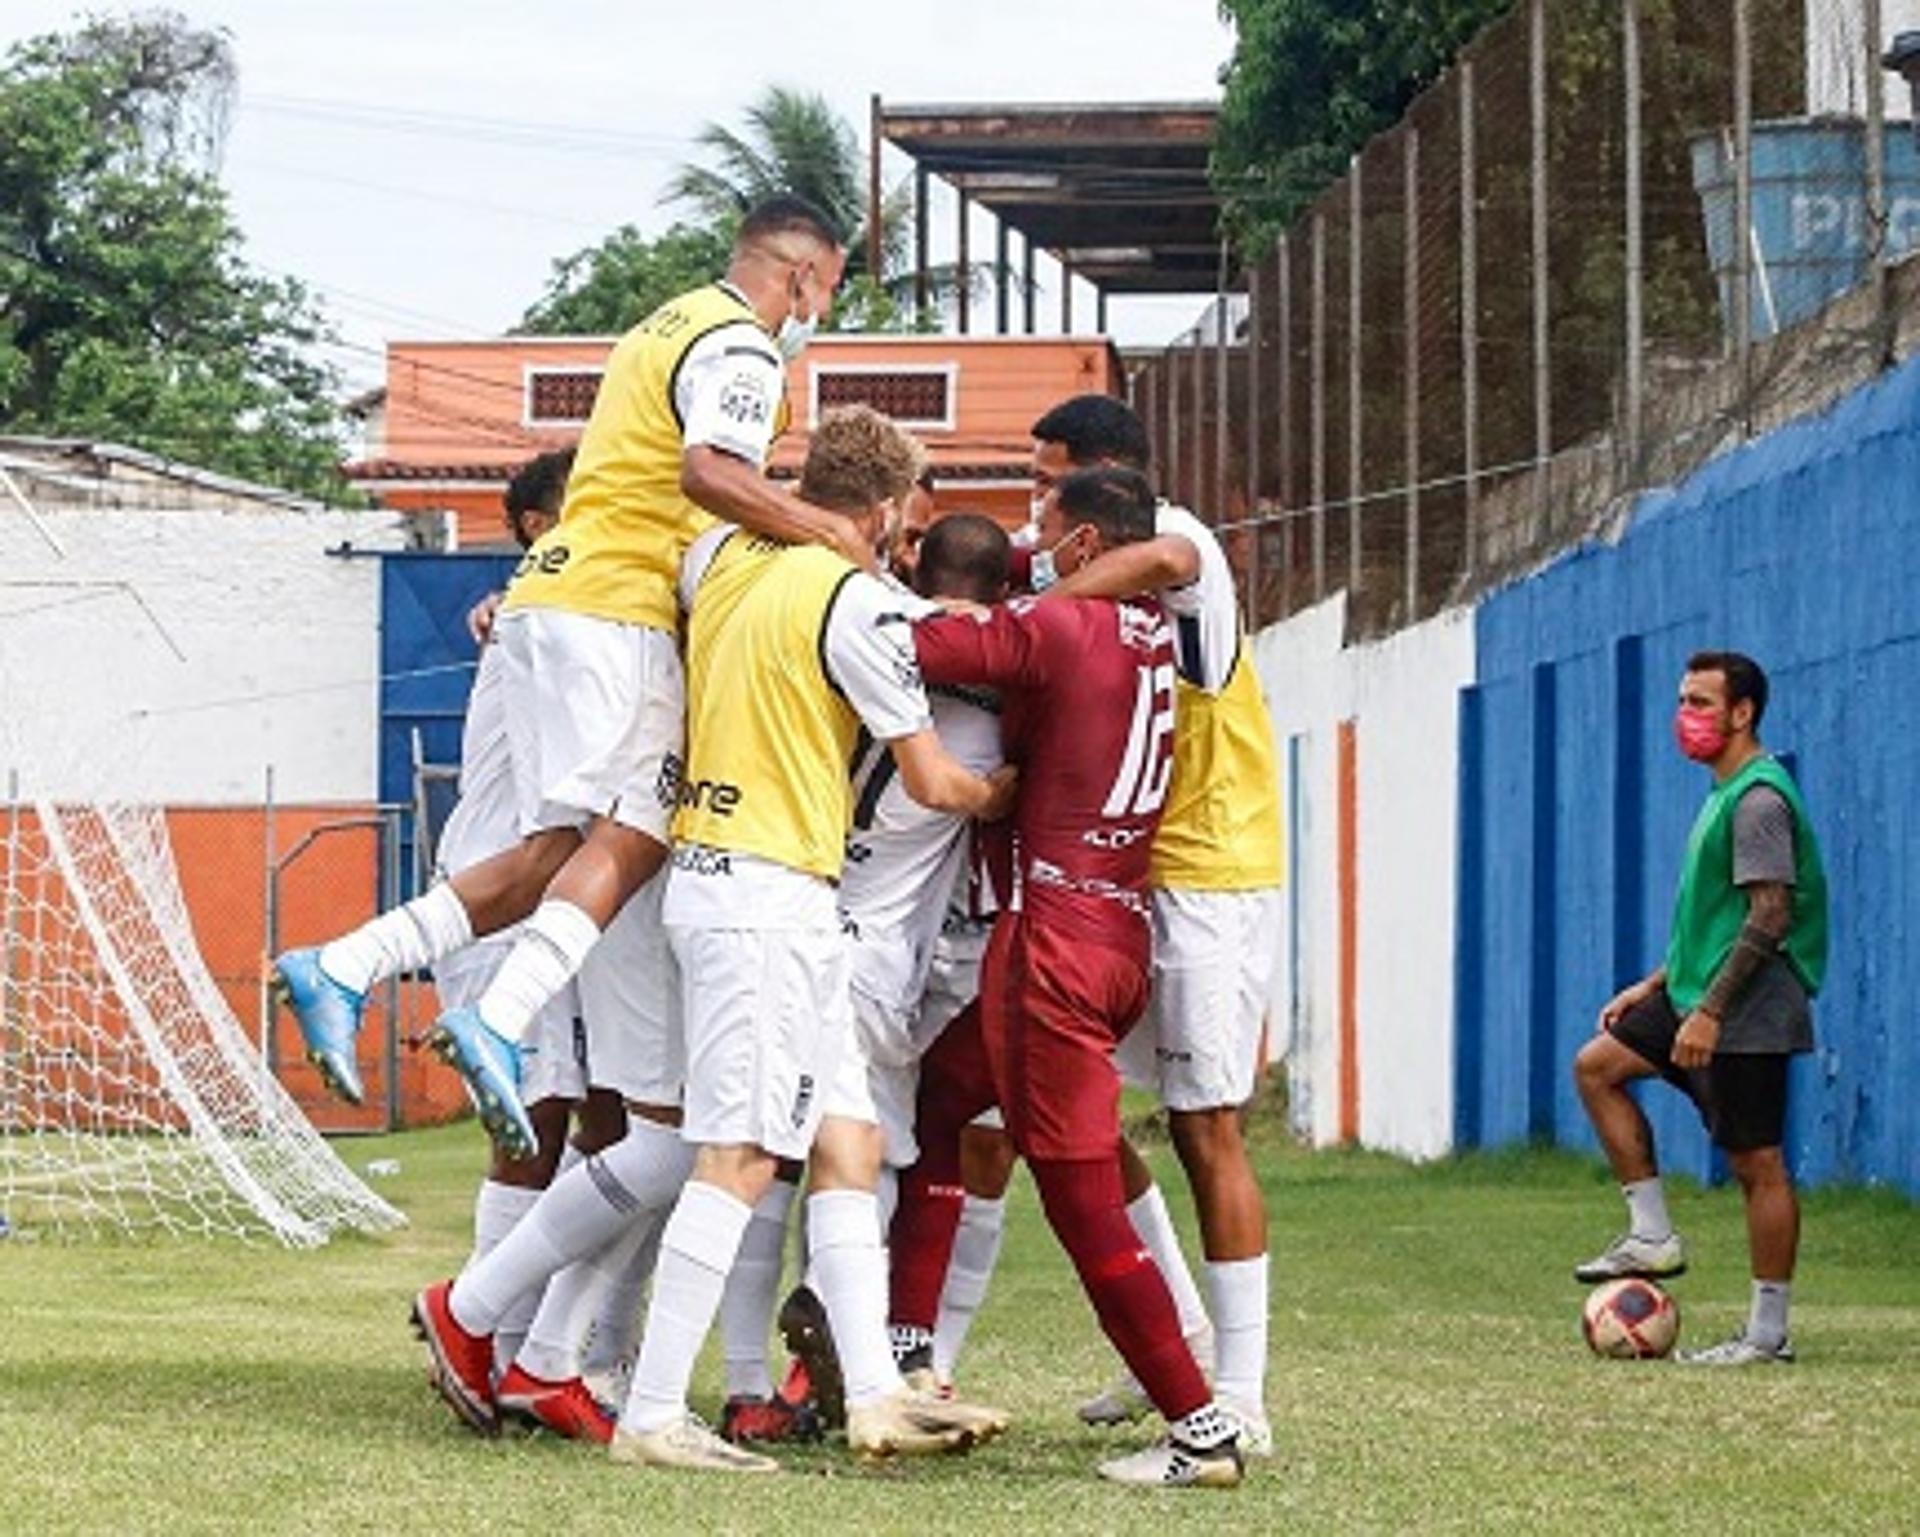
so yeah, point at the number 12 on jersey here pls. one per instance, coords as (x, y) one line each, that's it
(1140, 788)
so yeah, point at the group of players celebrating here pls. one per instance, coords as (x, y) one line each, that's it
(793, 842)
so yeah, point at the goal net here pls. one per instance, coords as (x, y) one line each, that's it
(130, 1097)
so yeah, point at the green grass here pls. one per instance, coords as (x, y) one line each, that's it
(1427, 1376)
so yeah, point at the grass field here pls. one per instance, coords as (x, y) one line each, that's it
(1427, 1376)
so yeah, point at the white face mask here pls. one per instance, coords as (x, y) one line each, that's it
(794, 335)
(1042, 574)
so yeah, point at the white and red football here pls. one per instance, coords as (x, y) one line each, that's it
(1630, 1320)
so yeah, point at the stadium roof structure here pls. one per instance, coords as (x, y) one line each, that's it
(1119, 192)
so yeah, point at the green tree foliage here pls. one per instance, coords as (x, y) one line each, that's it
(126, 311)
(606, 288)
(1311, 81)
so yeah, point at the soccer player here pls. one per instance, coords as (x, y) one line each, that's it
(791, 652)
(481, 824)
(1088, 715)
(1730, 1005)
(1216, 909)
(690, 401)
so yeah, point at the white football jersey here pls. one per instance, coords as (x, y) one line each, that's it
(902, 858)
(1205, 612)
(485, 820)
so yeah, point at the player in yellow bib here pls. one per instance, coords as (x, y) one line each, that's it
(1216, 913)
(690, 402)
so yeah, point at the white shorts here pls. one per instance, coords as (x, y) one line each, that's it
(630, 996)
(555, 1064)
(1214, 952)
(769, 1023)
(596, 715)
(953, 981)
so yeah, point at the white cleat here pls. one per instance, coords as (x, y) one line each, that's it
(1256, 1432)
(1655, 1258)
(1120, 1404)
(913, 1424)
(1169, 1465)
(686, 1443)
(1739, 1351)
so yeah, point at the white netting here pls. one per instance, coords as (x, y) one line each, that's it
(130, 1097)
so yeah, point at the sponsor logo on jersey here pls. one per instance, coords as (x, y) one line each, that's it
(698, 859)
(547, 561)
(744, 400)
(1113, 837)
(715, 795)
(666, 784)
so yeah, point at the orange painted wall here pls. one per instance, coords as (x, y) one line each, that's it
(461, 406)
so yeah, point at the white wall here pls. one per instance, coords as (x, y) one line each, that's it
(1403, 694)
(281, 645)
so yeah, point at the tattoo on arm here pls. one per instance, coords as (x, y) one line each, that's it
(1769, 909)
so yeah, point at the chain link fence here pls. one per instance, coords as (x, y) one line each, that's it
(1617, 236)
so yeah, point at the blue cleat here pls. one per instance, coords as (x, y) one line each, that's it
(328, 1015)
(490, 1065)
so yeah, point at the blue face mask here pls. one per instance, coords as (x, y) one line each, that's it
(1042, 574)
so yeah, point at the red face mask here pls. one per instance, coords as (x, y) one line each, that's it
(1699, 734)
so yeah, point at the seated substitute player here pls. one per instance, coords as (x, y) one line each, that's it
(1720, 1018)
(619, 1191)
(1216, 910)
(691, 398)
(790, 652)
(1088, 711)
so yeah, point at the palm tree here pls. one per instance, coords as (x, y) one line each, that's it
(793, 142)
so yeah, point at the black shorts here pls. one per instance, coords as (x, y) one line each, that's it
(1743, 1099)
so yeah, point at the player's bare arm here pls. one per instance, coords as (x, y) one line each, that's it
(1769, 915)
(940, 782)
(1630, 997)
(1152, 565)
(730, 488)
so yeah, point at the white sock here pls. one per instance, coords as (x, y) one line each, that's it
(496, 1209)
(403, 939)
(545, 957)
(1238, 1291)
(753, 1291)
(696, 1252)
(616, 1331)
(843, 1230)
(1154, 1223)
(976, 1249)
(581, 1212)
(1767, 1313)
(557, 1335)
(1647, 1210)
(1205, 1427)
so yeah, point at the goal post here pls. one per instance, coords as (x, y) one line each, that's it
(131, 1097)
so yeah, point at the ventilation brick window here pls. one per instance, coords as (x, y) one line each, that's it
(913, 399)
(561, 395)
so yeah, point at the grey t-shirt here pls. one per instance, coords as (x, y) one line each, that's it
(1771, 1013)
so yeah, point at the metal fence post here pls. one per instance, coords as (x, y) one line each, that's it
(1002, 278)
(1197, 424)
(962, 268)
(1743, 208)
(1250, 441)
(1636, 255)
(1356, 367)
(1318, 409)
(1222, 394)
(1874, 20)
(1284, 260)
(1542, 317)
(269, 923)
(1411, 322)
(1470, 315)
(922, 288)
(1175, 473)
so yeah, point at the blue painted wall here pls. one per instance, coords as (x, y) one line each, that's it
(1802, 549)
(426, 667)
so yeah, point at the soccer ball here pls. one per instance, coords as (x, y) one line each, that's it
(1630, 1319)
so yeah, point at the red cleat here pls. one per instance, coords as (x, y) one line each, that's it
(772, 1419)
(462, 1362)
(565, 1408)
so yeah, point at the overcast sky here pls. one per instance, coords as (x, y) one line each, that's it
(422, 162)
